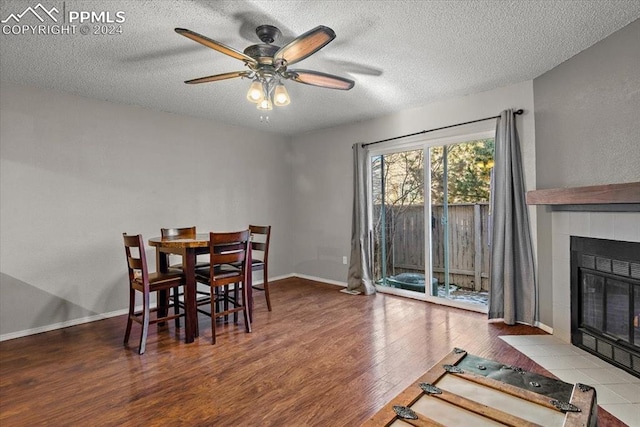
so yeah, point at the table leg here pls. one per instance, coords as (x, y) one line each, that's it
(163, 296)
(249, 283)
(191, 312)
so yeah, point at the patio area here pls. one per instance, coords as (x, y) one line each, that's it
(416, 282)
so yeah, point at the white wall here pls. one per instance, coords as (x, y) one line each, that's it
(76, 173)
(322, 170)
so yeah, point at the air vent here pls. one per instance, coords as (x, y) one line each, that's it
(605, 349)
(589, 261)
(620, 268)
(622, 357)
(589, 341)
(603, 264)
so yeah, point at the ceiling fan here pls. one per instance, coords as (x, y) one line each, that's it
(268, 64)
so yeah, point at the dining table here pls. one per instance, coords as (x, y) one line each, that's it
(189, 248)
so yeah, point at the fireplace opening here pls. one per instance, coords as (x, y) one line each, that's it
(605, 300)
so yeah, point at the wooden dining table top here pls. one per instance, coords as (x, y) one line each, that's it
(200, 240)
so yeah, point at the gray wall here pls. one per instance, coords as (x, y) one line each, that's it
(76, 173)
(587, 121)
(588, 115)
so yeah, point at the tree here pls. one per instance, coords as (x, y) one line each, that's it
(469, 172)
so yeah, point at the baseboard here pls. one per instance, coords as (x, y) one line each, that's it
(547, 329)
(61, 325)
(319, 279)
(273, 279)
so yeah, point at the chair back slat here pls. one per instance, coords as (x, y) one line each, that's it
(230, 257)
(184, 232)
(260, 236)
(136, 261)
(229, 248)
(259, 246)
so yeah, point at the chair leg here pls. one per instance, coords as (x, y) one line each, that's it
(218, 299)
(265, 285)
(245, 312)
(132, 303)
(145, 324)
(176, 306)
(214, 304)
(235, 298)
(162, 301)
(225, 304)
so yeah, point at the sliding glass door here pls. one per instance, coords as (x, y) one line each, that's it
(397, 191)
(429, 215)
(459, 196)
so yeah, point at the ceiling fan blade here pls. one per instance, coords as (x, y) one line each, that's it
(316, 78)
(217, 77)
(305, 45)
(206, 41)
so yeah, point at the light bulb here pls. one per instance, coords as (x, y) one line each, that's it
(265, 104)
(281, 96)
(255, 93)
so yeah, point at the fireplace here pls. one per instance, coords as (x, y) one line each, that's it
(605, 300)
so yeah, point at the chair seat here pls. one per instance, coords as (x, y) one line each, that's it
(158, 282)
(163, 277)
(221, 271)
(158, 278)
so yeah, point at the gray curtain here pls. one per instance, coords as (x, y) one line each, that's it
(359, 278)
(512, 294)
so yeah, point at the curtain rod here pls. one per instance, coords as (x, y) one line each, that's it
(517, 112)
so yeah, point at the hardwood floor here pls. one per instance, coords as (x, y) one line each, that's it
(320, 358)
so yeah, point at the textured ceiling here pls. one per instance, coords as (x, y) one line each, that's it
(401, 54)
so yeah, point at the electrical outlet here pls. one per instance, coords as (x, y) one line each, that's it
(344, 260)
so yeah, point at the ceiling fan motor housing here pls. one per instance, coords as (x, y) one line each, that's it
(263, 53)
(268, 33)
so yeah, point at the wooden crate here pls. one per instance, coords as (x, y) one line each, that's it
(462, 389)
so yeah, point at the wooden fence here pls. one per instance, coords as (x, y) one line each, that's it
(468, 243)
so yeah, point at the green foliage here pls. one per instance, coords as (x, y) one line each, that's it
(469, 167)
(468, 170)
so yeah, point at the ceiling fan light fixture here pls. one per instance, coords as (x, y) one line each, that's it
(268, 64)
(265, 104)
(256, 92)
(281, 96)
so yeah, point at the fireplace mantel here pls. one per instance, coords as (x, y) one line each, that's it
(612, 197)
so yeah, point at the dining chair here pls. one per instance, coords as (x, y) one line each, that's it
(177, 233)
(202, 297)
(141, 280)
(225, 249)
(260, 236)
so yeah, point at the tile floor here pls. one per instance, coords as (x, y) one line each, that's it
(618, 392)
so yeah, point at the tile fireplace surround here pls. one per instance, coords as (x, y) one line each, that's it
(603, 225)
(618, 391)
(603, 212)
